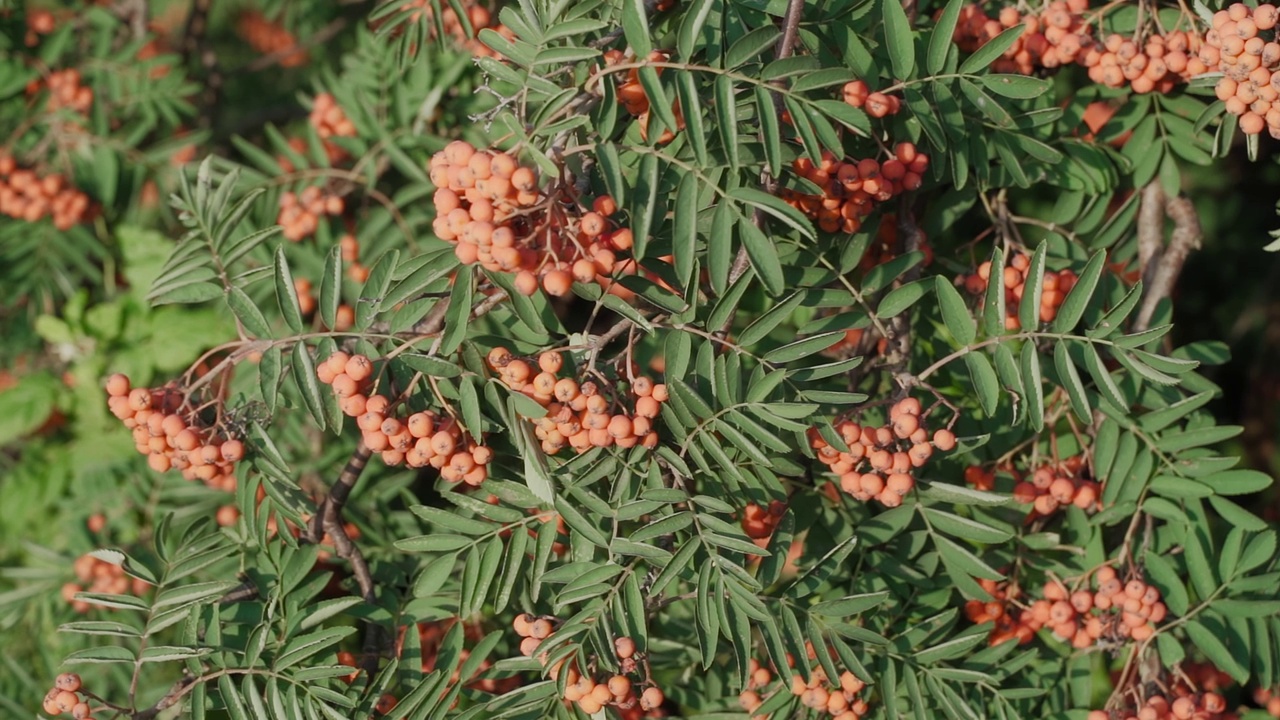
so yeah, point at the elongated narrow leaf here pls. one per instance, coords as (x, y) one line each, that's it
(955, 315)
(286, 294)
(304, 373)
(763, 254)
(898, 38)
(984, 381)
(331, 288)
(727, 118)
(940, 39)
(635, 27)
(644, 203)
(993, 309)
(1077, 299)
(254, 322)
(1033, 289)
(1033, 383)
(1071, 382)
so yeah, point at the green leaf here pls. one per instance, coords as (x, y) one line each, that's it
(286, 296)
(898, 39)
(984, 380)
(993, 309)
(988, 53)
(955, 315)
(1018, 87)
(963, 527)
(727, 117)
(1209, 641)
(763, 254)
(248, 313)
(304, 373)
(750, 46)
(635, 27)
(803, 348)
(331, 287)
(376, 286)
(940, 38)
(1034, 385)
(1033, 288)
(644, 203)
(901, 298)
(1070, 378)
(1073, 306)
(684, 237)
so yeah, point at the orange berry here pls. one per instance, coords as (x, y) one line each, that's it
(944, 440)
(625, 647)
(67, 682)
(652, 699)
(557, 283)
(118, 385)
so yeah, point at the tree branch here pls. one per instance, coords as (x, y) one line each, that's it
(1150, 230)
(1186, 237)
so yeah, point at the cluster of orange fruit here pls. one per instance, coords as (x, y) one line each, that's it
(1050, 39)
(478, 15)
(632, 97)
(1057, 485)
(1243, 42)
(877, 104)
(837, 698)
(491, 208)
(1116, 611)
(1008, 625)
(39, 22)
(1158, 65)
(64, 697)
(880, 460)
(99, 576)
(1054, 288)
(329, 121)
(885, 246)
(581, 688)
(1179, 701)
(172, 434)
(65, 91)
(418, 440)
(300, 213)
(759, 521)
(268, 38)
(852, 189)
(24, 195)
(1268, 699)
(579, 415)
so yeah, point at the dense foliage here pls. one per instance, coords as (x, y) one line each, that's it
(622, 358)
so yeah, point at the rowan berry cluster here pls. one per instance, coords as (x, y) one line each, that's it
(98, 576)
(1178, 702)
(300, 213)
(1158, 65)
(65, 91)
(1010, 623)
(418, 440)
(1054, 288)
(349, 246)
(1115, 612)
(880, 459)
(632, 97)
(759, 521)
(329, 121)
(1268, 698)
(877, 104)
(591, 696)
(491, 208)
(24, 195)
(852, 189)
(580, 416)
(1057, 485)
(270, 38)
(171, 433)
(65, 697)
(1243, 42)
(838, 699)
(39, 22)
(1050, 39)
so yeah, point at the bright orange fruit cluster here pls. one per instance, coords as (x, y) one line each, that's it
(632, 97)
(1158, 65)
(300, 214)
(1178, 702)
(858, 94)
(329, 121)
(1243, 42)
(171, 433)
(1009, 623)
(1114, 612)
(477, 14)
(65, 91)
(880, 460)
(759, 521)
(591, 696)
(491, 208)
(418, 440)
(99, 576)
(268, 37)
(852, 189)
(1054, 289)
(24, 195)
(64, 697)
(836, 698)
(580, 415)
(1057, 485)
